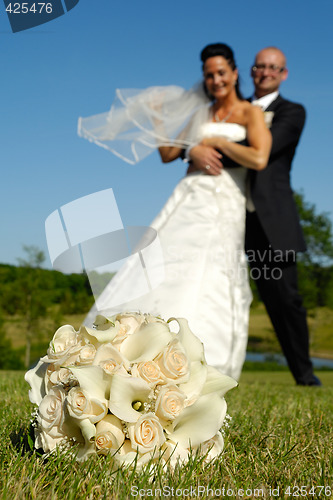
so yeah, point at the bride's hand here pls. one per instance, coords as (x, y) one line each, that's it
(202, 157)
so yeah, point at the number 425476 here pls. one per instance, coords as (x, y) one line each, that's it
(24, 8)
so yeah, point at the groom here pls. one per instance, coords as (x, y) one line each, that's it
(273, 231)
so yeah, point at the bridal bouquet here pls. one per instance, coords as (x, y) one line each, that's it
(130, 387)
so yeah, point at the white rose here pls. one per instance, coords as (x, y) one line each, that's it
(65, 343)
(120, 337)
(58, 375)
(132, 321)
(148, 371)
(111, 366)
(170, 402)
(173, 362)
(80, 406)
(109, 434)
(50, 420)
(50, 411)
(86, 355)
(46, 442)
(146, 434)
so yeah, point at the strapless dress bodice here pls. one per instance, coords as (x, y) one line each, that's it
(231, 131)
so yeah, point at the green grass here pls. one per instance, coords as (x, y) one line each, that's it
(280, 436)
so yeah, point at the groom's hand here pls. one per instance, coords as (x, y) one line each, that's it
(202, 157)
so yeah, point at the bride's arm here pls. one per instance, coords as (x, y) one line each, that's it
(169, 153)
(171, 150)
(256, 154)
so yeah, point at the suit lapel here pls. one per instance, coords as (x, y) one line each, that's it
(273, 105)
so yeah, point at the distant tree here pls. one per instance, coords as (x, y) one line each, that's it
(317, 230)
(316, 264)
(8, 357)
(35, 257)
(30, 283)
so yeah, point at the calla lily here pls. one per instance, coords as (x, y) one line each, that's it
(103, 323)
(199, 422)
(194, 385)
(97, 337)
(217, 383)
(174, 454)
(36, 379)
(93, 380)
(192, 345)
(128, 396)
(88, 431)
(213, 447)
(146, 343)
(127, 456)
(84, 451)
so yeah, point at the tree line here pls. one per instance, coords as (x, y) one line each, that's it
(33, 294)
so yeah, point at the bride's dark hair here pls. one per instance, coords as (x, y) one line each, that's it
(220, 49)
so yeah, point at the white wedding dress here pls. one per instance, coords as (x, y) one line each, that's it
(201, 229)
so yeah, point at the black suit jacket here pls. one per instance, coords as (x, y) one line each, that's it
(270, 188)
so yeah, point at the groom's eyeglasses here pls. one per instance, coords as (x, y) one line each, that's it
(272, 68)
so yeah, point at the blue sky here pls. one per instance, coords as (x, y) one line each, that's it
(70, 67)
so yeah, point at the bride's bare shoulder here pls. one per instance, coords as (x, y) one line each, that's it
(244, 112)
(252, 112)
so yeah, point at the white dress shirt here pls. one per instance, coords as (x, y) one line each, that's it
(265, 101)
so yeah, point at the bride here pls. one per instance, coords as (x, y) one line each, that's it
(201, 228)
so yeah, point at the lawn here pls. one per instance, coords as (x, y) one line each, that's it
(279, 445)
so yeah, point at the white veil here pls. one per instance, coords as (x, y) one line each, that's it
(140, 121)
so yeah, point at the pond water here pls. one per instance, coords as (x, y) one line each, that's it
(280, 359)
